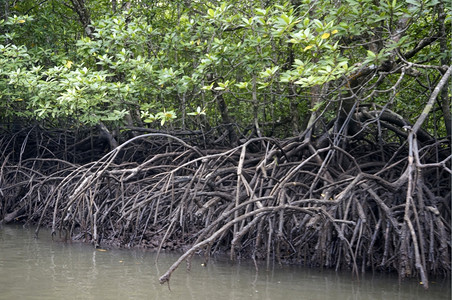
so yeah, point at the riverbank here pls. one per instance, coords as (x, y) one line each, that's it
(277, 201)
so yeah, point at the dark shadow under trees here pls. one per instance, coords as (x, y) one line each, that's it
(379, 201)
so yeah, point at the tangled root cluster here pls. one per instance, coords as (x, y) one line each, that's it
(356, 205)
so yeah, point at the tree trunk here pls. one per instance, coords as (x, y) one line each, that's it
(226, 119)
(444, 98)
(84, 16)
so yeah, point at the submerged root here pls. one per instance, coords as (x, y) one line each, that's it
(357, 207)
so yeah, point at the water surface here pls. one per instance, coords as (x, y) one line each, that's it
(43, 269)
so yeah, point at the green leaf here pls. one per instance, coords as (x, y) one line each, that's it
(371, 54)
(208, 87)
(317, 106)
(198, 112)
(242, 85)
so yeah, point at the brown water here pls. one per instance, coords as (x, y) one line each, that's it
(42, 269)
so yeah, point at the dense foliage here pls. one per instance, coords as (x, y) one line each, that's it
(258, 68)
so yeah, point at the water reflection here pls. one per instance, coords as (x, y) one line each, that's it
(42, 269)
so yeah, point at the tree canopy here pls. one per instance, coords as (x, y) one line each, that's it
(260, 68)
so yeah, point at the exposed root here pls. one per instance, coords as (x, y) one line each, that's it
(361, 206)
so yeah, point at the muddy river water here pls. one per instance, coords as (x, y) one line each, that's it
(43, 269)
